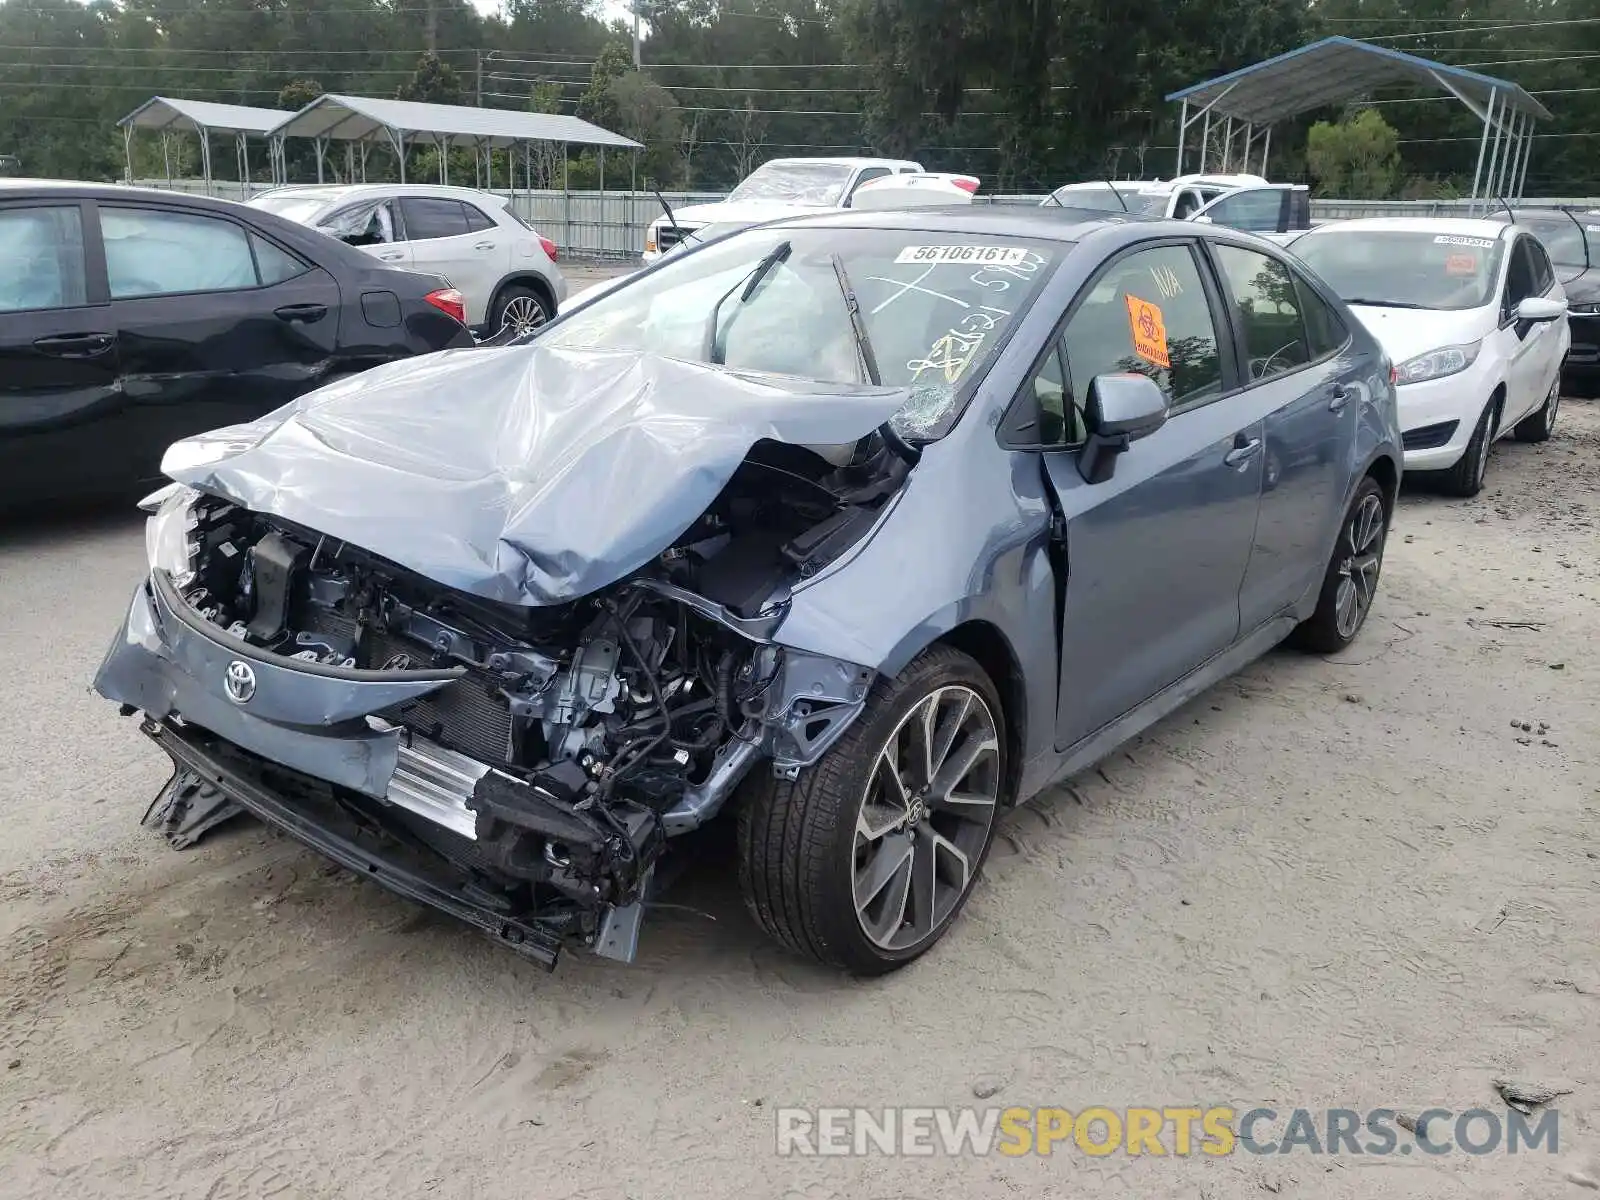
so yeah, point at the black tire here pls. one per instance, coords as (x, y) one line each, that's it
(1465, 479)
(1537, 426)
(800, 841)
(517, 300)
(1328, 629)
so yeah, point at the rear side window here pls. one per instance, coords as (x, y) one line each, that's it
(41, 258)
(275, 264)
(477, 219)
(150, 252)
(426, 218)
(1148, 313)
(1325, 332)
(1257, 210)
(1269, 311)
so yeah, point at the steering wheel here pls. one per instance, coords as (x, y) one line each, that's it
(1259, 367)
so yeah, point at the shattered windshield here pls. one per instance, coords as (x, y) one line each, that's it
(934, 308)
(301, 209)
(820, 184)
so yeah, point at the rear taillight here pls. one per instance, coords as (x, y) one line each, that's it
(549, 247)
(1394, 375)
(448, 300)
(966, 183)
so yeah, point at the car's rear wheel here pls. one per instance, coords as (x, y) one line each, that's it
(1351, 582)
(519, 309)
(864, 860)
(1536, 427)
(1466, 477)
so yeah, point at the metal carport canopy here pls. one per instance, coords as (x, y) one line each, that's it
(1341, 68)
(363, 118)
(163, 115)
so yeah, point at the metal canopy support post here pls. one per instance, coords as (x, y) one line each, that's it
(1527, 153)
(1496, 148)
(349, 162)
(205, 155)
(1227, 144)
(363, 160)
(1483, 147)
(1183, 127)
(166, 155)
(127, 149)
(566, 191)
(1513, 148)
(1266, 149)
(601, 221)
(398, 141)
(443, 150)
(244, 165)
(1205, 140)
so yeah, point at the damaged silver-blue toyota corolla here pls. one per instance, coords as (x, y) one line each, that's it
(836, 528)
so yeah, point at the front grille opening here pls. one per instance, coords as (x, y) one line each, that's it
(1429, 437)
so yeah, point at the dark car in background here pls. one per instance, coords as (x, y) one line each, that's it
(131, 318)
(1572, 240)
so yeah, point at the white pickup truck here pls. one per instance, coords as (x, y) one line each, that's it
(1246, 202)
(782, 187)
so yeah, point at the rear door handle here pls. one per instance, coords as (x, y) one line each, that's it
(75, 345)
(1242, 452)
(484, 246)
(395, 256)
(307, 313)
(1339, 398)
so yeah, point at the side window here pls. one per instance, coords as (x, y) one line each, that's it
(1060, 420)
(368, 223)
(477, 220)
(1519, 275)
(868, 174)
(1188, 203)
(275, 264)
(426, 218)
(1148, 313)
(1544, 275)
(150, 252)
(41, 258)
(1269, 311)
(1325, 332)
(1257, 210)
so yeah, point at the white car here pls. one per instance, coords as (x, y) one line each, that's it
(1473, 316)
(783, 187)
(505, 269)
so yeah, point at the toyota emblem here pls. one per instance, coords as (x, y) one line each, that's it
(240, 682)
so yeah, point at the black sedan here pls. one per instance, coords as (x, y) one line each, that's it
(1573, 241)
(131, 318)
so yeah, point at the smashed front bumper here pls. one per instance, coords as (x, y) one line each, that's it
(301, 747)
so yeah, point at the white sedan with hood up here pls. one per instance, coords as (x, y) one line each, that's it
(1475, 321)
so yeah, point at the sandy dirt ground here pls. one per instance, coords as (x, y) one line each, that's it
(1366, 881)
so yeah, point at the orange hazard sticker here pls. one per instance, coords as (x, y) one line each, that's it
(1149, 332)
(1461, 264)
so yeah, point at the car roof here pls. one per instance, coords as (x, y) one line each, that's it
(335, 192)
(1002, 220)
(1457, 226)
(841, 162)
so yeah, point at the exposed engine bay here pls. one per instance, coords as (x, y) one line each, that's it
(576, 738)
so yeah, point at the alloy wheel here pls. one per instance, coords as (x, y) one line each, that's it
(925, 817)
(522, 315)
(1358, 573)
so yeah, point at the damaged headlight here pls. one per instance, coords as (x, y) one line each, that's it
(166, 533)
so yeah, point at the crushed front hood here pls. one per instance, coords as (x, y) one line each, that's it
(528, 475)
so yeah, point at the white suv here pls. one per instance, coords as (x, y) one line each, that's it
(504, 269)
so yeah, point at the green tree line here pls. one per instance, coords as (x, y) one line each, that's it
(1024, 93)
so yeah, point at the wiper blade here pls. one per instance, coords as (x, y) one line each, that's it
(1385, 303)
(709, 349)
(858, 327)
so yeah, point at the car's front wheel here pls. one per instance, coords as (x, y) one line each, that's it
(520, 310)
(864, 860)
(1465, 479)
(1537, 427)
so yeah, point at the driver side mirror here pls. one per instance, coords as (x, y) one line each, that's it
(1541, 308)
(1120, 409)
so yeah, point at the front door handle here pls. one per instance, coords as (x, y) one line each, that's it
(75, 345)
(1339, 398)
(307, 313)
(484, 246)
(393, 256)
(1242, 452)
